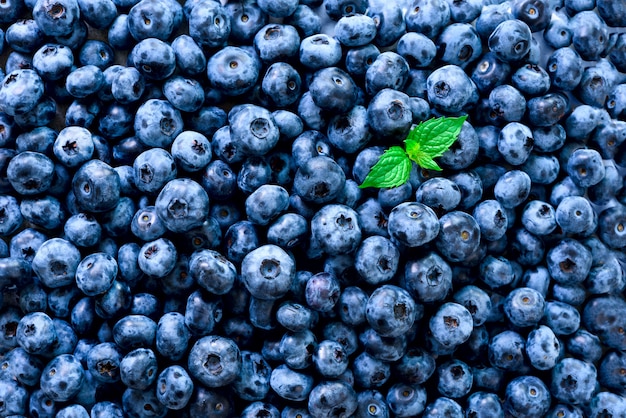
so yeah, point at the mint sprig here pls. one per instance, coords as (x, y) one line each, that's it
(425, 142)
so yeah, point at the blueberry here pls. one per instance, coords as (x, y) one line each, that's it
(297, 348)
(319, 51)
(97, 53)
(134, 331)
(157, 258)
(612, 16)
(371, 404)
(212, 271)
(153, 169)
(391, 197)
(512, 189)
(96, 186)
(484, 404)
(439, 193)
(489, 72)
(202, 313)
(30, 173)
(573, 381)
(267, 272)
(289, 384)
(406, 400)
(377, 259)
(174, 387)
(12, 11)
(562, 318)
(429, 278)
(279, 9)
(605, 402)
(266, 203)
(11, 218)
(288, 231)
(443, 407)
(459, 236)
(22, 367)
(103, 362)
(14, 398)
(527, 396)
(606, 326)
(506, 351)
(543, 348)
(172, 336)
(209, 24)
(53, 61)
(295, 317)
(413, 224)
(276, 42)
(369, 372)
(107, 409)
(241, 238)
(491, 218)
(450, 89)
(510, 40)
(490, 17)
(150, 19)
(565, 410)
(56, 18)
(389, 114)
(335, 228)
(138, 369)
(451, 325)
(455, 379)
(589, 34)
(476, 301)
(206, 401)
(459, 43)
(303, 18)
(462, 153)
(62, 378)
(333, 89)
(388, 71)
(99, 14)
(84, 81)
(569, 261)
(55, 262)
(73, 411)
(246, 19)
(596, 84)
(355, 30)
(389, 20)
(146, 225)
(135, 402)
(182, 205)
(154, 59)
(558, 33)
(114, 301)
(429, 17)
(534, 13)
(391, 311)
(257, 408)
(95, 273)
(609, 371)
(383, 348)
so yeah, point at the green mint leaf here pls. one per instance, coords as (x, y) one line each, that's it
(425, 161)
(391, 170)
(433, 137)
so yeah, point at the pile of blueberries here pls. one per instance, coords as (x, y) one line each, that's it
(182, 231)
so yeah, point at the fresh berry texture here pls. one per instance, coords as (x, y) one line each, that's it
(312, 208)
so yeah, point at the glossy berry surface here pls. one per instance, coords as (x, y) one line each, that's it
(184, 231)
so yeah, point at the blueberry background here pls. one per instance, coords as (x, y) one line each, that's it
(182, 231)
